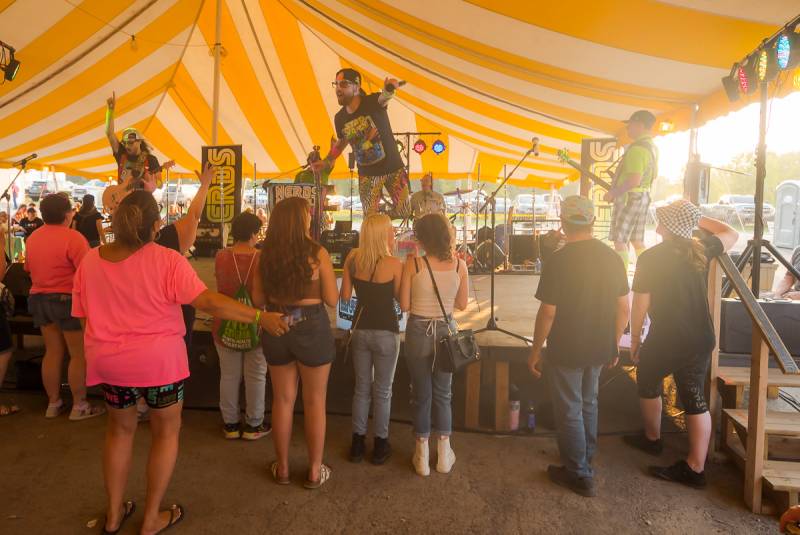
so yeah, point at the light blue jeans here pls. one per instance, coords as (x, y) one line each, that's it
(233, 365)
(431, 389)
(374, 355)
(573, 392)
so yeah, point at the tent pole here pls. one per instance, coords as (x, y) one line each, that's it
(217, 54)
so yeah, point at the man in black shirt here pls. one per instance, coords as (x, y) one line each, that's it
(582, 320)
(363, 123)
(31, 222)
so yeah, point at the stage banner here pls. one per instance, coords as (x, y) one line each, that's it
(224, 199)
(278, 192)
(598, 155)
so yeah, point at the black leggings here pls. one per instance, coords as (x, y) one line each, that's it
(688, 369)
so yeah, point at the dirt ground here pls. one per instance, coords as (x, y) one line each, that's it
(52, 483)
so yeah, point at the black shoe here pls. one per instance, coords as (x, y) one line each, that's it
(680, 472)
(579, 485)
(641, 442)
(381, 451)
(357, 448)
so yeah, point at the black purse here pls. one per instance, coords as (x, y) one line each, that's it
(460, 347)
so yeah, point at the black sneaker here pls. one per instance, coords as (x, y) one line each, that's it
(231, 431)
(641, 442)
(254, 433)
(579, 485)
(381, 451)
(680, 472)
(357, 448)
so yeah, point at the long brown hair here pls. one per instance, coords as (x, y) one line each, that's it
(436, 235)
(692, 250)
(284, 264)
(134, 218)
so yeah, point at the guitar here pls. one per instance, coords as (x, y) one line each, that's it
(563, 156)
(113, 195)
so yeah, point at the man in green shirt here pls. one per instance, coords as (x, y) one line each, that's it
(631, 188)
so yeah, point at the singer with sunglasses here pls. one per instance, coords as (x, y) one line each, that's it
(133, 155)
(363, 123)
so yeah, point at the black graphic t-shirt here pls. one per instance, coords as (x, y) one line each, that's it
(369, 133)
(29, 226)
(135, 165)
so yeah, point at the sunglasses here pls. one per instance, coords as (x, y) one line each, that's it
(342, 84)
(132, 141)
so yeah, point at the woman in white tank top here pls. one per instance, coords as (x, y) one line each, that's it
(431, 388)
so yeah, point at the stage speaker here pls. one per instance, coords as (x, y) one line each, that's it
(737, 327)
(338, 245)
(522, 248)
(483, 254)
(18, 281)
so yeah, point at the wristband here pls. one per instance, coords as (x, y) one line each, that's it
(258, 317)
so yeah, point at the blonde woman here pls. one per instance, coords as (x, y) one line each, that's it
(375, 274)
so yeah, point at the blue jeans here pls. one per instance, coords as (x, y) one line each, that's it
(374, 355)
(431, 391)
(573, 392)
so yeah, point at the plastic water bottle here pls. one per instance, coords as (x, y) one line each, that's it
(513, 415)
(531, 423)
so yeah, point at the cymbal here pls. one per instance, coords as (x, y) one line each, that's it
(456, 192)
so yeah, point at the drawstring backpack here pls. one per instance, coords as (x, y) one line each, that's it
(235, 334)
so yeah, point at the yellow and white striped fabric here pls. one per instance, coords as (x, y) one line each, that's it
(489, 75)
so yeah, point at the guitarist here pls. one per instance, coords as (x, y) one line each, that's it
(630, 190)
(132, 154)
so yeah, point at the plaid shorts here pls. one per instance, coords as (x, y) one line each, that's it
(157, 397)
(629, 217)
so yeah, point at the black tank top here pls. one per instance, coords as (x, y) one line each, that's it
(375, 308)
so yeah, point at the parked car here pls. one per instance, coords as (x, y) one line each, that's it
(736, 208)
(543, 204)
(260, 197)
(37, 190)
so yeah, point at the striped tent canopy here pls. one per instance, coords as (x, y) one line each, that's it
(489, 75)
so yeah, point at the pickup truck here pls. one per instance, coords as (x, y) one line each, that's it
(736, 208)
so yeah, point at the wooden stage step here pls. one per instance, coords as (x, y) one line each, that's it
(783, 476)
(740, 376)
(777, 422)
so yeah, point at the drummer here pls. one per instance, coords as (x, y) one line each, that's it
(427, 201)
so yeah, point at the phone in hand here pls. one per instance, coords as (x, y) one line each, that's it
(293, 317)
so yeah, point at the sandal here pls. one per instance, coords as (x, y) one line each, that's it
(279, 480)
(55, 409)
(8, 410)
(85, 411)
(324, 475)
(176, 514)
(130, 508)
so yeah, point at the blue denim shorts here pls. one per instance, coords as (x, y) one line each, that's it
(47, 309)
(309, 341)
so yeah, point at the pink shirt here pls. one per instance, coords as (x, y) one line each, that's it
(134, 328)
(52, 254)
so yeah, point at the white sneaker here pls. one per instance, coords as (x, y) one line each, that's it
(421, 459)
(446, 456)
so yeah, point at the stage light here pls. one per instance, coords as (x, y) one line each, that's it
(763, 62)
(666, 126)
(420, 146)
(731, 84)
(10, 68)
(744, 83)
(783, 50)
(400, 145)
(438, 146)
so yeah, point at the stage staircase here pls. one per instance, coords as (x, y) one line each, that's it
(765, 444)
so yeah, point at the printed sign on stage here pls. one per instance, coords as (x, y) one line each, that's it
(598, 155)
(278, 192)
(224, 199)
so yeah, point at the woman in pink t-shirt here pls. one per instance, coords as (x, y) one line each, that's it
(54, 252)
(129, 293)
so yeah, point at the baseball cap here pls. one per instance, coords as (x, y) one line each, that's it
(642, 116)
(679, 217)
(128, 132)
(351, 75)
(577, 210)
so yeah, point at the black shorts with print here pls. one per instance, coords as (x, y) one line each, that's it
(156, 397)
(688, 369)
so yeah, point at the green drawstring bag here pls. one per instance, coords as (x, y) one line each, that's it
(235, 334)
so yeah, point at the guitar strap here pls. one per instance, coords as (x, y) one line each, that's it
(142, 163)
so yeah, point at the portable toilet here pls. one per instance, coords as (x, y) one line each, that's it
(787, 215)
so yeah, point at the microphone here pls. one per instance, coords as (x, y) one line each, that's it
(535, 146)
(389, 88)
(23, 162)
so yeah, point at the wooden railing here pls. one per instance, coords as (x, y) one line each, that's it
(765, 342)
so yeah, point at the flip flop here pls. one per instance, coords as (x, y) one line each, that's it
(324, 475)
(85, 412)
(8, 410)
(130, 508)
(175, 509)
(279, 480)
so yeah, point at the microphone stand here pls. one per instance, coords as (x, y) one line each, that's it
(491, 325)
(7, 197)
